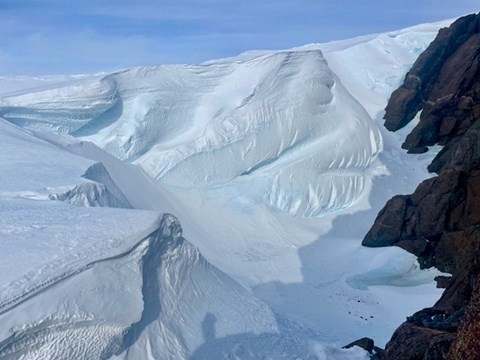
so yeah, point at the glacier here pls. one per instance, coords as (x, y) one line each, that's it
(275, 163)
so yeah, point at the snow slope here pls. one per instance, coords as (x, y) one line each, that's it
(276, 164)
(78, 281)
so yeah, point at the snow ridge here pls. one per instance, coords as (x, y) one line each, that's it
(102, 191)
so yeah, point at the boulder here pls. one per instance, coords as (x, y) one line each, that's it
(365, 343)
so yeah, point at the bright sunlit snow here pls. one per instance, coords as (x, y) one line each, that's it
(275, 164)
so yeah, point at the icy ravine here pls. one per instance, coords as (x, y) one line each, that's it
(282, 118)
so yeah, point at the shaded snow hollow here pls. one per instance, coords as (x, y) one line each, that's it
(276, 164)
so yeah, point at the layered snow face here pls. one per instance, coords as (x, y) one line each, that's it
(34, 111)
(281, 122)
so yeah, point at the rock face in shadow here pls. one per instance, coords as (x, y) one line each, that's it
(440, 221)
(466, 345)
(444, 72)
(416, 342)
(430, 222)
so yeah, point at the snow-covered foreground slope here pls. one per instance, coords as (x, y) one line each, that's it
(276, 165)
(102, 282)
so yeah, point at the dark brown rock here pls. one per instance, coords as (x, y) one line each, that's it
(388, 225)
(467, 344)
(365, 343)
(438, 318)
(440, 221)
(410, 342)
(443, 281)
(405, 103)
(453, 96)
(445, 87)
(417, 221)
(377, 353)
(424, 80)
(462, 154)
(439, 347)
(447, 125)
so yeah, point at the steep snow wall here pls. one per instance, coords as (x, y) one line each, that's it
(98, 99)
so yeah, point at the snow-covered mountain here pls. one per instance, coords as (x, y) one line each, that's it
(275, 164)
(280, 120)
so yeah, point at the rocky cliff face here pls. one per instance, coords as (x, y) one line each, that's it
(440, 221)
(443, 74)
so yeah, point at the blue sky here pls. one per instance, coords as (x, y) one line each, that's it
(78, 36)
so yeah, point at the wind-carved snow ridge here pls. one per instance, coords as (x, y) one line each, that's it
(101, 192)
(87, 334)
(173, 297)
(281, 122)
(77, 105)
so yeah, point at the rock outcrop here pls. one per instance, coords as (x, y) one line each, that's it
(437, 75)
(365, 343)
(466, 345)
(368, 345)
(440, 221)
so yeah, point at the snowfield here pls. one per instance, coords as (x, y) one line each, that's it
(273, 165)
